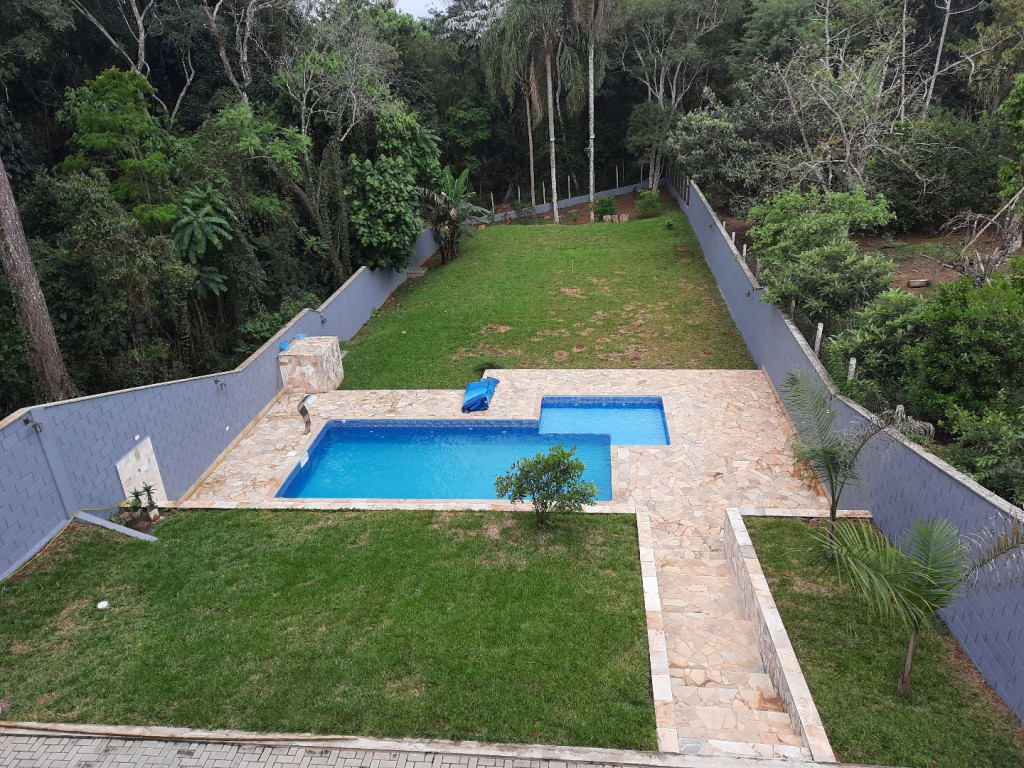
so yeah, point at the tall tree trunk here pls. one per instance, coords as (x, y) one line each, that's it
(551, 137)
(903, 687)
(44, 356)
(948, 11)
(590, 100)
(529, 143)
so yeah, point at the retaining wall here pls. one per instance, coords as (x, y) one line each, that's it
(901, 482)
(60, 457)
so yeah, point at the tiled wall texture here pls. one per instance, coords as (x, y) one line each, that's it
(61, 457)
(900, 482)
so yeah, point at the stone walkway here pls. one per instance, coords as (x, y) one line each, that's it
(28, 751)
(728, 449)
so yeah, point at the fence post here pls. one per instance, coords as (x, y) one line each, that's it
(543, 193)
(852, 370)
(616, 177)
(817, 339)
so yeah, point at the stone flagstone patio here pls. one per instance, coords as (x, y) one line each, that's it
(729, 448)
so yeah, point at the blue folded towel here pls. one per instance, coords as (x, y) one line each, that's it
(478, 395)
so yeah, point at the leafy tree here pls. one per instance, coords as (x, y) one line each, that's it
(552, 482)
(826, 282)
(384, 203)
(804, 254)
(825, 449)
(989, 444)
(794, 221)
(971, 347)
(933, 563)
(877, 335)
(120, 298)
(115, 132)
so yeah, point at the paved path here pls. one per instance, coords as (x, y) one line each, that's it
(30, 751)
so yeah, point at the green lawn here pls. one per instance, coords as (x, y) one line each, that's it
(635, 295)
(951, 719)
(426, 624)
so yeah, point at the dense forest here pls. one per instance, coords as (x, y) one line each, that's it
(190, 173)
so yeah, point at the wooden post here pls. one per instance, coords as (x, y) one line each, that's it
(733, 237)
(543, 193)
(817, 339)
(852, 370)
(616, 177)
(519, 194)
(744, 250)
(792, 308)
(492, 202)
(568, 186)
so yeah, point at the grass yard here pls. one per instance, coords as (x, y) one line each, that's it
(635, 295)
(951, 719)
(426, 624)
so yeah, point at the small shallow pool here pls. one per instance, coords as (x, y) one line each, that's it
(459, 458)
(626, 420)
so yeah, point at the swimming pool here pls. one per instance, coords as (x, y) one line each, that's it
(635, 420)
(459, 458)
(430, 459)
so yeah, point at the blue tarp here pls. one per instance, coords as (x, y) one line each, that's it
(478, 395)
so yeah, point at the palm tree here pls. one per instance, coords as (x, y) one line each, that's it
(590, 14)
(833, 453)
(509, 67)
(925, 573)
(533, 29)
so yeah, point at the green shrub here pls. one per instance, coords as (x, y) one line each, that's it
(827, 281)
(958, 157)
(605, 206)
(553, 482)
(792, 221)
(525, 213)
(876, 335)
(971, 348)
(805, 255)
(648, 203)
(990, 446)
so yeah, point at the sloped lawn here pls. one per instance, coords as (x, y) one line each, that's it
(951, 719)
(425, 624)
(635, 295)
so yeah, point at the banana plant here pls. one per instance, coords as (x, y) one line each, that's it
(449, 211)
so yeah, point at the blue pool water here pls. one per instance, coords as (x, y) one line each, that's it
(626, 420)
(459, 459)
(436, 459)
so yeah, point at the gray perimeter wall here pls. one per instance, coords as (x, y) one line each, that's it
(900, 482)
(59, 458)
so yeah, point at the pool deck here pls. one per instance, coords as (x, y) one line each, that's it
(729, 449)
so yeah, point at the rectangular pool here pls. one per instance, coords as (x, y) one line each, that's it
(636, 420)
(430, 459)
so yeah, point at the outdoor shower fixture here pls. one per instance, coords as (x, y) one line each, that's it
(304, 413)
